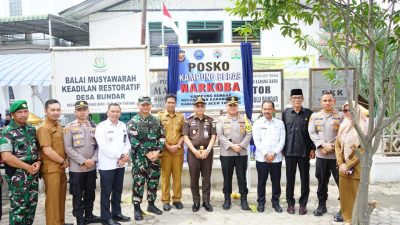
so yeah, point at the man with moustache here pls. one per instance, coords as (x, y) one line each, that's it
(323, 129)
(172, 157)
(299, 149)
(20, 151)
(112, 139)
(55, 161)
(200, 135)
(234, 138)
(81, 148)
(269, 138)
(146, 136)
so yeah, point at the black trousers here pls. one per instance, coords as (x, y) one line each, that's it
(111, 182)
(82, 187)
(228, 164)
(323, 170)
(292, 162)
(263, 169)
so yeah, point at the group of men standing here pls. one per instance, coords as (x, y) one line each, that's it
(155, 146)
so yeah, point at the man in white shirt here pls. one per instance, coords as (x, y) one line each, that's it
(112, 139)
(269, 138)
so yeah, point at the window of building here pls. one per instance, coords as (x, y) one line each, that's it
(155, 38)
(15, 7)
(205, 32)
(253, 39)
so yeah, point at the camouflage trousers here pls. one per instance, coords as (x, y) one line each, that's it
(23, 193)
(145, 172)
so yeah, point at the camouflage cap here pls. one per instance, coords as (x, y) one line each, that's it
(232, 100)
(81, 104)
(199, 100)
(144, 100)
(18, 105)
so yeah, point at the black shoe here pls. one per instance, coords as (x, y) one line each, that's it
(68, 224)
(303, 210)
(290, 209)
(277, 207)
(320, 211)
(207, 206)
(196, 206)
(80, 221)
(109, 222)
(338, 217)
(92, 219)
(178, 205)
(121, 218)
(154, 209)
(166, 207)
(260, 208)
(244, 204)
(138, 214)
(227, 204)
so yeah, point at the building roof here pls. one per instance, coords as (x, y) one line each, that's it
(25, 69)
(66, 29)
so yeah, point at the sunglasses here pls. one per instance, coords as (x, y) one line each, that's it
(346, 110)
(200, 106)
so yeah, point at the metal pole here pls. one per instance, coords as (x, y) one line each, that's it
(144, 21)
(50, 34)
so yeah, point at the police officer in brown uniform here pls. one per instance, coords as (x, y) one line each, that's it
(81, 148)
(51, 140)
(200, 135)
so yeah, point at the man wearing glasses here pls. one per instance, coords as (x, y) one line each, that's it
(323, 129)
(299, 149)
(199, 135)
(234, 138)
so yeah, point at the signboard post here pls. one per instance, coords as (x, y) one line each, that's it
(319, 84)
(268, 85)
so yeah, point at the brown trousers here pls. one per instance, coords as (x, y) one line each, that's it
(171, 165)
(56, 190)
(347, 191)
(203, 166)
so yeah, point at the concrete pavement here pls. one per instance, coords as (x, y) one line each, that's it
(387, 211)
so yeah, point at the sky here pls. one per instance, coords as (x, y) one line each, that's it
(36, 7)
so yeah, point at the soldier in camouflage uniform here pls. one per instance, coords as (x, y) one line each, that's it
(147, 139)
(20, 152)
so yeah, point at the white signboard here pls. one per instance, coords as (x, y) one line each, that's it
(267, 85)
(99, 76)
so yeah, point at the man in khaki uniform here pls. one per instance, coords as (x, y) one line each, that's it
(51, 141)
(172, 156)
(323, 129)
(234, 135)
(81, 148)
(200, 135)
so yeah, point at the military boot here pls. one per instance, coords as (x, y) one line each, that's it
(153, 209)
(227, 202)
(243, 202)
(138, 214)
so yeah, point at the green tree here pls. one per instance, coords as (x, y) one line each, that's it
(362, 34)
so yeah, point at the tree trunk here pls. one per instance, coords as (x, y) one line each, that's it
(361, 209)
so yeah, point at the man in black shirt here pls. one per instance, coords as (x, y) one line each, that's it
(299, 149)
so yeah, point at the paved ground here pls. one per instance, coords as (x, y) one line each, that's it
(387, 212)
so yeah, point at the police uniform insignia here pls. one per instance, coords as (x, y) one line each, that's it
(194, 131)
(81, 103)
(24, 105)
